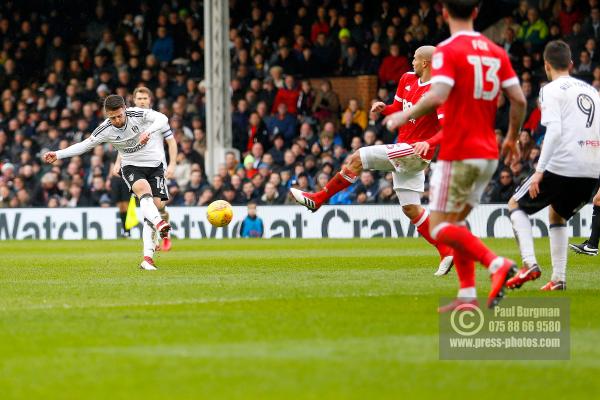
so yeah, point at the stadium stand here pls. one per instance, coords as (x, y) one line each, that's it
(290, 125)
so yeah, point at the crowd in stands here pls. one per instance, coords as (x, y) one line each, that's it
(59, 59)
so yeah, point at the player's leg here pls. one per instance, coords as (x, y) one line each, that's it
(164, 214)
(559, 241)
(590, 246)
(120, 196)
(521, 205)
(408, 187)
(456, 187)
(345, 177)
(149, 247)
(572, 195)
(122, 205)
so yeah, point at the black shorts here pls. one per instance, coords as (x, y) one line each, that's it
(119, 191)
(154, 176)
(565, 194)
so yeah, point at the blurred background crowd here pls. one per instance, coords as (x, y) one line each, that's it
(289, 126)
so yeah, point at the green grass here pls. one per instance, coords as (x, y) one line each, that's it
(281, 319)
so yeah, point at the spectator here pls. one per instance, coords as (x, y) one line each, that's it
(367, 188)
(569, 14)
(288, 95)
(46, 189)
(374, 59)
(163, 47)
(320, 26)
(327, 103)
(503, 190)
(584, 67)
(393, 67)
(591, 26)
(271, 195)
(534, 30)
(283, 123)
(252, 226)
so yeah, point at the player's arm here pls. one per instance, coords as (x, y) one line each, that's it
(74, 150)
(172, 149)
(551, 119)
(435, 97)
(117, 166)
(158, 120)
(423, 147)
(518, 107)
(379, 107)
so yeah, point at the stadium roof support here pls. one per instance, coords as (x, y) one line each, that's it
(217, 77)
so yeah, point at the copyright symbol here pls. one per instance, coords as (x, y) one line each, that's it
(467, 319)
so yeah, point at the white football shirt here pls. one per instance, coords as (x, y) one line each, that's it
(126, 139)
(573, 105)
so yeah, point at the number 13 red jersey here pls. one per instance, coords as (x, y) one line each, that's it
(477, 69)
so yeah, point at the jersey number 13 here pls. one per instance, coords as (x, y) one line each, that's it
(492, 65)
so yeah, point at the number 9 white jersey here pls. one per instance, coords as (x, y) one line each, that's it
(574, 105)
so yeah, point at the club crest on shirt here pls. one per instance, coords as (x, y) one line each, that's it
(437, 60)
(135, 129)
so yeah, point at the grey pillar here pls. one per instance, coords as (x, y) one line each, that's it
(217, 78)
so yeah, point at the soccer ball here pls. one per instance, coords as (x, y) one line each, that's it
(219, 213)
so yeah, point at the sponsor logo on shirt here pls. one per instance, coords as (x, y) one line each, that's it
(589, 143)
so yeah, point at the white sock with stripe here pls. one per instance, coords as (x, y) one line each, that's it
(524, 235)
(148, 241)
(149, 210)
(559, 242)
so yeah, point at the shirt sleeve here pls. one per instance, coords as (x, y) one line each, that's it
(81, 147)
(397, 104)
(550, 105)
(442, 67)
(551, 142)
(159, 121)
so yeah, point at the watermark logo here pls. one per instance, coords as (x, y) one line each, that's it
(517, 329)
(467, 319)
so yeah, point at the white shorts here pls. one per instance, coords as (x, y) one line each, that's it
(408, 168)
(455, 184)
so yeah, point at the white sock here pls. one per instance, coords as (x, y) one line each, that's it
(148, 240)
(467, 293)
(149, 210)
(559, 242)
(524, 235)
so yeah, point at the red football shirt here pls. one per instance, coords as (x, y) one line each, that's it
(477, 69)
(409, 92)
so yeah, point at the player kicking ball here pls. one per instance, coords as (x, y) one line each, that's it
(468, 71)
(567, 171)
(408, 168)
(142, 98)
(137, 134)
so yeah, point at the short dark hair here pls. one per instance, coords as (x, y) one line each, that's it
(113, 102)
(558, 54)
(460, 9)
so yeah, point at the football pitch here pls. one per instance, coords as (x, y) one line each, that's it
(262, 319)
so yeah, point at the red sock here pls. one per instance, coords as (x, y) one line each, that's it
(422, 224)
(465, 269)
(463, 241)
(339, 182)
